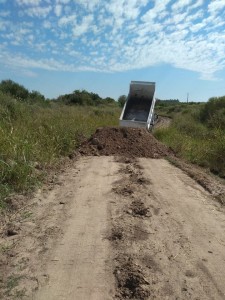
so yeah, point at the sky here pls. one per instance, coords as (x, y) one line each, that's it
(58, 46)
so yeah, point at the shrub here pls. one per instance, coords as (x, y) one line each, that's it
(122, 100)
(14, 89)
(213, 113)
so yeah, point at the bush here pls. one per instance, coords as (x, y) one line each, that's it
(83, 98)
(213, 113)
(18, 92)
(14, 89)
(122, 100)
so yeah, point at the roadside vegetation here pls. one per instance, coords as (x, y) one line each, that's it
(36, 132)
(197, 132)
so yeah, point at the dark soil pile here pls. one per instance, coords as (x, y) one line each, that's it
(124, 141)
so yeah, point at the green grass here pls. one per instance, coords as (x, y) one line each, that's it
(195, 141)
(33, 137)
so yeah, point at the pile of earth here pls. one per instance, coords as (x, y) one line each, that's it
(124, 141)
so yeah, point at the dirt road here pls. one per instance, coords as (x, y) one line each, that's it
(126, 229)
(81, 264)
(162, 122)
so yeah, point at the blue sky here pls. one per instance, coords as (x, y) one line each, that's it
(57, 46)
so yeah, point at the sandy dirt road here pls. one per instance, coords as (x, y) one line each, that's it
(162, 122)
(120, 228)
(137, 230)
(80, 266)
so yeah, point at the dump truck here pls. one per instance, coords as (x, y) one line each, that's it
(138, 110)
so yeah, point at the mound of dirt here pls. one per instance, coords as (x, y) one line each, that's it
(131, 282)
(133, 142)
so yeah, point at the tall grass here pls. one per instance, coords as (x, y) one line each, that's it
(194, 141)
(31, 136)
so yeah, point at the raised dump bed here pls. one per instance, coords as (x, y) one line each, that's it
(138, 110)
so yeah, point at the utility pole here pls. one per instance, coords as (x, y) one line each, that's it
(187, 97)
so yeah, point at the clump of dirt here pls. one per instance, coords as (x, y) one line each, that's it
(137, 179)
(116, 234)
(138, 209)
(131, 282)
(124, 190)
(130, 169)
(124, 141)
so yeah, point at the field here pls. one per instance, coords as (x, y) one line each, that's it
(33, 137)
(197, 132)
(35, 133)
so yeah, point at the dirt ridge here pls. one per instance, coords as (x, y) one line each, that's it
(124, 141)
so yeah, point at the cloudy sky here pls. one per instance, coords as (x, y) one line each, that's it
(57, 46)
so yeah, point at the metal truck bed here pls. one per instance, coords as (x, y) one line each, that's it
(138, 111)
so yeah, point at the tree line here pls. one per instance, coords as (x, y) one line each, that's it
(77, 97)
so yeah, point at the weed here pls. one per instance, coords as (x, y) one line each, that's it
(12, 282)
(4, 248)
(26, 215)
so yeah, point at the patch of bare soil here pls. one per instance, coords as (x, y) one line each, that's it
(138, 209)
(162, 122)
(170, 243)
(116, 234)
(214, 185)
(129, 142)
(133, 177)
(128, 225)
(130, 280)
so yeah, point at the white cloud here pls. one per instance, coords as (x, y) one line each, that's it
(181, 4)
(47, 24)
(83, 27)
(67, 20)
(89, 5)
(197, 4)
(116, 35)
(58, 10)
(193, 17)
(63, 1)
(19, 61)
(215, 6)
(38, 11)
(28, 2)
(159, 8)
(197, 27)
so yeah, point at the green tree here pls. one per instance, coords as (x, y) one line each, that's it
(109, 100)
(213, 113)
(122, 100)
(36, 96)
(14, 89)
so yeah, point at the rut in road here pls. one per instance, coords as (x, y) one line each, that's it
(137, 229)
